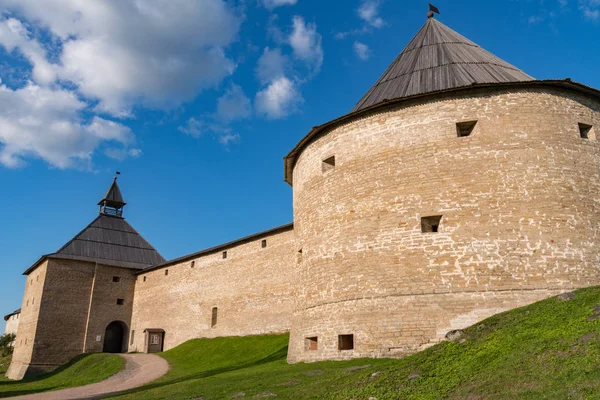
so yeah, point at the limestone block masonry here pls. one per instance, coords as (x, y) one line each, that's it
(66, 309)
(251, 287)
(520, 218)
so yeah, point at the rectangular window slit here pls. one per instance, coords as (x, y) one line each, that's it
(584, 130)
(213, 321)
(328, 164)
(311, 343)
(431, 224)
(464, 129)
(166, 272)
(224, 255)
(193, 264)
(144, 279)
(116, 279)
(120, 302)
(345, 342)
(264, 243)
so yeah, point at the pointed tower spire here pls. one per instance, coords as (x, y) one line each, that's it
(112, 203)
(437, 59)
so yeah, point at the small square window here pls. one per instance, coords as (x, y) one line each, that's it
(224, 255)
(585, 130)
(116, 279)
(311, 343)
(328, 164)
(345, 342)
(464, 129)
(120, 302)
(264, 243)
(431, 224)
(166, 272)
(193, 264)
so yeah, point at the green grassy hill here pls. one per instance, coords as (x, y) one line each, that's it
(549, 350)
(82, 370)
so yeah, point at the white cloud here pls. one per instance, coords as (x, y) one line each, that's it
(128, 52)
(233, 105)
(46, 124)
(280, 99)
(229, 138)
(369, 12)
(272, 64)
(590, 9)
(193, 127)
(362, 51)
(271, 4)
(306, 42)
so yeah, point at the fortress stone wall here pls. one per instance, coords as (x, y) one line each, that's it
(66, 309)
(520, 218)
(253, 290)
(407, 225)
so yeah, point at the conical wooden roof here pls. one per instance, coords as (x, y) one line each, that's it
(437, 59)
(113, 196)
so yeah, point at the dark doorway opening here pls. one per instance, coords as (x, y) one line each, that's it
(113, 337)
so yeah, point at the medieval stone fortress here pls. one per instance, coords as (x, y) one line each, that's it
(457, 188)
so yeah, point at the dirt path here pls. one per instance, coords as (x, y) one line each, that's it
(139, 370)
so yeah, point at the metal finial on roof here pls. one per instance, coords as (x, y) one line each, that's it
(432, 11)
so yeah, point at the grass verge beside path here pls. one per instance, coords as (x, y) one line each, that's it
(548, 350)
(82, 370)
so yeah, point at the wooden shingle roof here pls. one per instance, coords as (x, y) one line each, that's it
(436, 59)
(108, 240)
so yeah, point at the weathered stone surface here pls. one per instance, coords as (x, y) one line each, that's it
(266, 394)
(455, 336)
(565, 297)
(413, 377)
(253, 290)
(314, 373)
(519, 219)
(357, 368)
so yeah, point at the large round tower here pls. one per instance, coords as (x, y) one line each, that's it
(457, 188)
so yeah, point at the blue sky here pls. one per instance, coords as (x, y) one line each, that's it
(197, 103)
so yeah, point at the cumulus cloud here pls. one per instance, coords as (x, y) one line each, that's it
(279, 99)
(233, 105)
(369, 12)
(123, 53)
(229, 138)
(271, 4)
(271, 65)
(46, 124)
(306, 42)
(590, 9)
(193, 127)
(362, 51)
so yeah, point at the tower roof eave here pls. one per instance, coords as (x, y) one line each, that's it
(291, 158)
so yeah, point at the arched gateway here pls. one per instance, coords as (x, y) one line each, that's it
(114, 337)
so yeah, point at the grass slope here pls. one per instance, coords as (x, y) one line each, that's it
(82, 370)
(549, 350)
